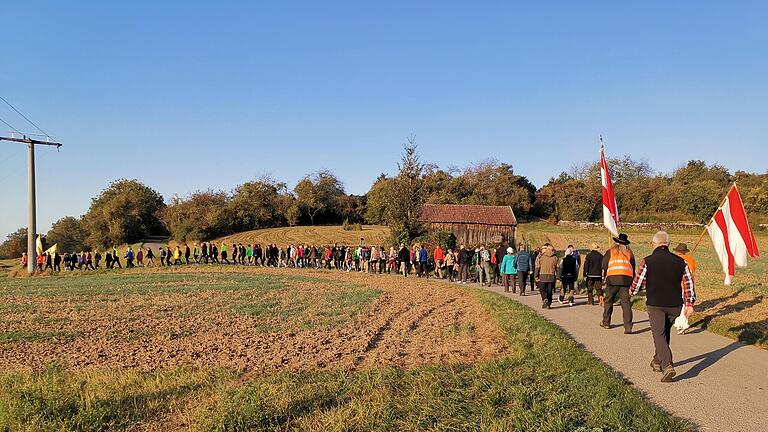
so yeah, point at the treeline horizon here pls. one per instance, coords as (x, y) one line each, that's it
(128, 211)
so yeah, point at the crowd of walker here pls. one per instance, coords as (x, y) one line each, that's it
(666, 276)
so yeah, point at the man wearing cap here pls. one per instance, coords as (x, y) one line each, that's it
(593, 274)
(662, 273)
(619, 270)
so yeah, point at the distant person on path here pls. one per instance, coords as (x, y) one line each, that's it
(465, 260)
(107, 260)
(485, 266)
(499, 255)
(204, 252)
(177, 255)
(569, 273)
(187, 253)
(439, 258)
(224, 253)
(404, 256)
(196, 253)
(450, 262)
(524, 266)
(508, 270)
(129, 258)
(150, 257)
(546, 275)
(116, 259)
(24, 259)
(593, 274)
(619, 268)
(682, 251)
(661, 274)
(162, 256)
(139, 257)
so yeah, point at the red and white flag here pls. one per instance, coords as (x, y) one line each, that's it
(610, 209)
(731, 235)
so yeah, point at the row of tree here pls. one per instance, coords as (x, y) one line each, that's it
(128, 211)
(691, 193)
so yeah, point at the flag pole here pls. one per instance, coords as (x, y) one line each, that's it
(710, 220)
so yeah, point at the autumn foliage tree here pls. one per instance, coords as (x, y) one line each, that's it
(124, 212)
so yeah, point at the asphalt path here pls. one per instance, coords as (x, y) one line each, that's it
(721, 384)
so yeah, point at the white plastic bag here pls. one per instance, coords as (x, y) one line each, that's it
(681, 323)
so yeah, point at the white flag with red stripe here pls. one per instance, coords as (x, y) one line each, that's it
(731, 235)
(610, 209)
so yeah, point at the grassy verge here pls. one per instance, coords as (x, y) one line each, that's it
(545, 383)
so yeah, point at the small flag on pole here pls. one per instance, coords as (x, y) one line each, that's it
(610, 209)
(39, 245)
(731, 235)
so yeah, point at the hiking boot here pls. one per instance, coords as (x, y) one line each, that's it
(668, 374)
(560, 299)
(522, 293)
(549, 305)
(605, 325)
(627, 330)
(544, 305)
(655, 365)
(590, 300)
(570, 303)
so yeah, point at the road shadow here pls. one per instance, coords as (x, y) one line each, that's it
(706, 360)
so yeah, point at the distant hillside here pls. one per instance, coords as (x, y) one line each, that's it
(373, 234)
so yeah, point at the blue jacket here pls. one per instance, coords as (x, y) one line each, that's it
(508, 265)
(422, 255)
(523, 262)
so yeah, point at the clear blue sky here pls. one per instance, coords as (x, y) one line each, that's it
(187, 95)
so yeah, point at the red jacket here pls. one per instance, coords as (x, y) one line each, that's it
(439, 254)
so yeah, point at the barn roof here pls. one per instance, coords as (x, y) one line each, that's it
(474, 214)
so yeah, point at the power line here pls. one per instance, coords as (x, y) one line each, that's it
(25, 117)
(9, 125)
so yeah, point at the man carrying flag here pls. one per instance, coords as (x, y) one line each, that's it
(731, 234)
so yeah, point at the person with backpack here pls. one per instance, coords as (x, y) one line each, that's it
(569, 273)
(545, 273)
(484, 267)
(524, 266)
(593, 274)
(129, 258)
(162, 256)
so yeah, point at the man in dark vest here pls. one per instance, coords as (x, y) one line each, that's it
(663, 274)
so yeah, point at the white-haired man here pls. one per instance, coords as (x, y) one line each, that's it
(662, 274)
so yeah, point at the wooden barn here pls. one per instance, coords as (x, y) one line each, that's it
(472, 224)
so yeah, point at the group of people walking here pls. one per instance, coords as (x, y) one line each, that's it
(610, 276)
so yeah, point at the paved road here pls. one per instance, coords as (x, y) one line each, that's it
(721, 384)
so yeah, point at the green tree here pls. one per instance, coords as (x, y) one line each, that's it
(69, 233)
(376, 200)
(201, 216)
(567, 198)
(405, 197)
(702, 201)
(696, 171)
(124, 212)
(316, 193)
(494, 183)
(14, 245)
(258, 204)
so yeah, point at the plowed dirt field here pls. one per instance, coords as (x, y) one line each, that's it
(260, 320)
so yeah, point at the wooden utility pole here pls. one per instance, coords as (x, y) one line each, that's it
(32, 206)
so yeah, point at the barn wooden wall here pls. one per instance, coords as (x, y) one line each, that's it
(476, 234)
